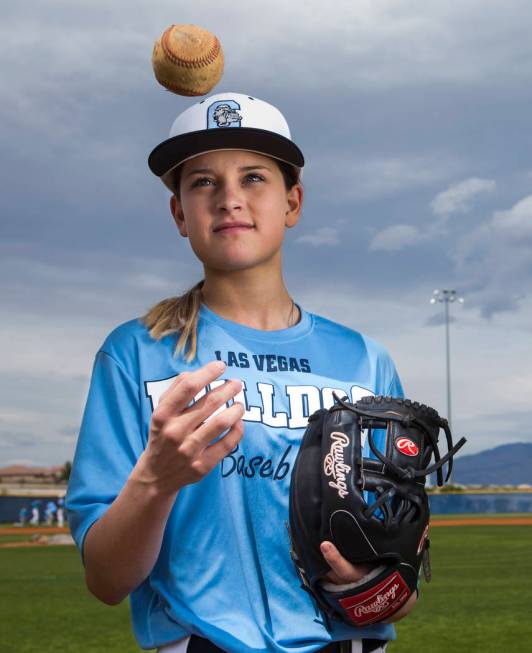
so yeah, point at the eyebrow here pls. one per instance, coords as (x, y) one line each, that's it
(198, 171)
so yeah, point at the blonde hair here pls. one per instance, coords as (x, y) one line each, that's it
(177, 315)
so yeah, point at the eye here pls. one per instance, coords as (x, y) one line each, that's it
(253, 177)
(201, 181)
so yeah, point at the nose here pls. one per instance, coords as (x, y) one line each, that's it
(228, 197)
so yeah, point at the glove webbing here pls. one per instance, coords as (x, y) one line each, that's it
(370, 420)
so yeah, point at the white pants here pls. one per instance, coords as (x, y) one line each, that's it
(182, 644)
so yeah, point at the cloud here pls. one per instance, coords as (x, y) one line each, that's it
(489, 260)
(395, 238)
(458, 197)
(494, 261)
(344, 175)
(516, 223)
(100, 50)
(328, 236)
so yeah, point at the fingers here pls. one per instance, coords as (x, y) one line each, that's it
(210, 404)
(199, 439)
(180, 449)
(213, 454)
(342, 571)
(186, 387)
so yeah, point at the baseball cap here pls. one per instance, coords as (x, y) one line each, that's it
(225, 121)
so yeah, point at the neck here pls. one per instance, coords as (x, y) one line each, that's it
(251, 298)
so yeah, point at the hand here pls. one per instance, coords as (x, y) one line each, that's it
(179, 450)
(343, 572)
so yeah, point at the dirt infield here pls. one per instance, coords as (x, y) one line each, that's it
(29, 530)
(35, 539)
(484, 521)
(41, 541)
(474, 521)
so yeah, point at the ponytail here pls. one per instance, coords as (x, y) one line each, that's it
(177, 315)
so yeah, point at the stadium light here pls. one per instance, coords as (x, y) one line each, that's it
(447, 297)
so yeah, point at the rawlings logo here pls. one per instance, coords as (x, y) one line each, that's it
(378, 602)
(406, 446)
(381, 602)
(334, 465)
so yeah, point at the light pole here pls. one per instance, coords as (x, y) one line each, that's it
(447, 297)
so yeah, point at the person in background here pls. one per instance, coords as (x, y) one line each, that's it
(35, 512)
(60, 512)
(23, 516)
(50, 512)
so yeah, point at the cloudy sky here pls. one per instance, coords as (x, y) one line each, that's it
(414, 117)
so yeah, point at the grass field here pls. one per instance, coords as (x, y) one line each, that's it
(479, 516)
(480, 595)
(479, 599)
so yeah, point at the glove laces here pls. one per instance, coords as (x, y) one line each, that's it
(370, 420)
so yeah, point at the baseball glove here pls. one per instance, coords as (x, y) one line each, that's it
(359, 481)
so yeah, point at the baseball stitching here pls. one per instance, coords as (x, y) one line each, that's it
(176, 88)
(205, 60)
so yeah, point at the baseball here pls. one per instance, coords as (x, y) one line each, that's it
(188, 60)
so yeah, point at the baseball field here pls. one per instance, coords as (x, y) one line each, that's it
(479, 598)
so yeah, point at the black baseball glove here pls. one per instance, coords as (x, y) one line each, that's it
(373, 507)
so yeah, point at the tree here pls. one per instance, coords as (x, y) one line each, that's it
(65, 471)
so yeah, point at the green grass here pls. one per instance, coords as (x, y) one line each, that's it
(480, 595)
(479, 599)
(44, 601)
(484, 515)
(14, 538)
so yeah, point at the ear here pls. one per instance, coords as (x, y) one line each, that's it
(294, 199)
(177, 213)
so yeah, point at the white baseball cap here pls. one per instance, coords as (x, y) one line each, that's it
(225, 121)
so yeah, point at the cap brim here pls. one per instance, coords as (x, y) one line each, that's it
(174, 151)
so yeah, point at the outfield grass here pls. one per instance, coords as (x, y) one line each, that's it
(479, 599)
(45, 608)
(483, 515)
(14, 538)
(480, 595)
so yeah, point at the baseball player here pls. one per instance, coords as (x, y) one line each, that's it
(60, 512)
(179, 489)
(49, 512)
(35, 512)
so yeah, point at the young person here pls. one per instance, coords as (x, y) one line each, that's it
(179, 490)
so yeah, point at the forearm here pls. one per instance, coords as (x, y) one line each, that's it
(121, 548)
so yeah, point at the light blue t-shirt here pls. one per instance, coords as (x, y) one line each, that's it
(224, 571)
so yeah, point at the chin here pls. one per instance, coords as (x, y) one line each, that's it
(236, 263)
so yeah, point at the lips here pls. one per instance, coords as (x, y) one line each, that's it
(233, 226)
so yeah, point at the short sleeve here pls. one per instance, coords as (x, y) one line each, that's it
(395, 389)
(387, 380)
(109, 445)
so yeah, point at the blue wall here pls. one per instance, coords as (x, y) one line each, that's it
(461, 504)
(10, 507)
(440, 504)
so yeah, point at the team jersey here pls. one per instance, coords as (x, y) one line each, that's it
(224, 571)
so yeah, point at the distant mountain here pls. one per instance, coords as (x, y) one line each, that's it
(509, 464)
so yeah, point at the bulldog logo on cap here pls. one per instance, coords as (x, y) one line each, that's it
(223, 113)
